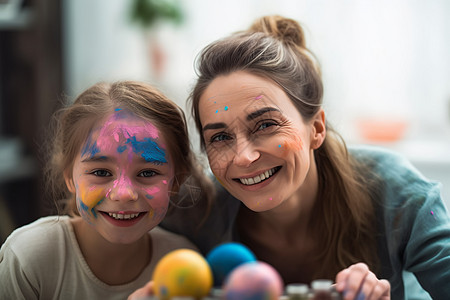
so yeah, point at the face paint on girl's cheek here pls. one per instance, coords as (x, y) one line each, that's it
(158, 200)
(88, 198)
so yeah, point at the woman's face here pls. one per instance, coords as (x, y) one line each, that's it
(258, 145)
(121, 178)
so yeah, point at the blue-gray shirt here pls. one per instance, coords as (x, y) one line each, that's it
(413, 233)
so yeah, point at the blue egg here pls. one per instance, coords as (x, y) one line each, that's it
(226, 257)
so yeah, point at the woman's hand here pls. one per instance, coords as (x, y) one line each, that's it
(357, 282)
(143, 293)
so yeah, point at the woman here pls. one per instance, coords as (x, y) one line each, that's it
(307, 205)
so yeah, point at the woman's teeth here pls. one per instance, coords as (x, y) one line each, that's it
(258, 178)
(123, 216)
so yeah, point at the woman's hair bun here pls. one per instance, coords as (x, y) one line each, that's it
(285, 29)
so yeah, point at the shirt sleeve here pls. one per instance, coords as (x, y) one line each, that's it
(427, 251)
(14, 282)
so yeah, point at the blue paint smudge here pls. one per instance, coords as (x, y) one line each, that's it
(149, 197)
(90, 148)
(226, 108)
(217, 111)
(120, 149)
(86, 208)
(117, 109)
(150, 150)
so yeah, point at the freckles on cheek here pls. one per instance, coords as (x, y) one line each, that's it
(88, 198)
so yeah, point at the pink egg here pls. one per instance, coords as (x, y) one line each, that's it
(255, 281)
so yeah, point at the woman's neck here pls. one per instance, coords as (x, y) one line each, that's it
(114, 264)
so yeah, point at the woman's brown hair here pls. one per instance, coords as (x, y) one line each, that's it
(74, 122)
(274, 48)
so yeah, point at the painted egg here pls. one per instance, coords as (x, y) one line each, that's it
(182, 272)
(224, 258)
(255, 281)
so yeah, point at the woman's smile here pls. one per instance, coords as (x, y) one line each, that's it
(263, 176)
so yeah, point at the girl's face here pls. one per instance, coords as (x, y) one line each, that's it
(257, 143)
(122, 177)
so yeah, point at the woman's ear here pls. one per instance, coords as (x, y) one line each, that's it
(69, 182)
(319, 129)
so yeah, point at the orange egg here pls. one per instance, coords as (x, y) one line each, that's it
(182, 272)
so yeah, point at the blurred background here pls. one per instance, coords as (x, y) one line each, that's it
(386, 71)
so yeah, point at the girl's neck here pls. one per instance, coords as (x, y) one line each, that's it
(114, 264)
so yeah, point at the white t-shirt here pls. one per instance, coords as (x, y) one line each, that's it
(43, 260)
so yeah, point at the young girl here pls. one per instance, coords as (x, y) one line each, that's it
(302, 200)
(120, 150)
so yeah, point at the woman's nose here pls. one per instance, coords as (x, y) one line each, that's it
(123, 190)
(245, 153)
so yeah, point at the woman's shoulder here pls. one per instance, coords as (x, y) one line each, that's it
(379, 154)
(387, 163)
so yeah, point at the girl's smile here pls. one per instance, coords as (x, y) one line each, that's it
(121, 178)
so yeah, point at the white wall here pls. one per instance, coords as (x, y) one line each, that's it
(388, 59)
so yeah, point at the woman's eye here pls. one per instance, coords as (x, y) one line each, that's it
(265, 125)
(101, 173)
(220, 138)
(147, 173)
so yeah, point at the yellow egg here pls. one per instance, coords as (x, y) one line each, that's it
(182, 272)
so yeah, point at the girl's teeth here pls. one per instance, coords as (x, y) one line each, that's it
(123, 216)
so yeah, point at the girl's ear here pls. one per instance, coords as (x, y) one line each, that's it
(69, 182)
(319, 130)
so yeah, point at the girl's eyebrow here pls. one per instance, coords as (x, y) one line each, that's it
(97, 158)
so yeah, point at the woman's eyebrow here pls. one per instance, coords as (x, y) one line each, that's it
(214, 126)
(260, 112)
(251, 116)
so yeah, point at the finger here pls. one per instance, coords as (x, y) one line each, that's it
(367, 289)
(382, 290)
(341, 280)
(145, 291)
(355, 280)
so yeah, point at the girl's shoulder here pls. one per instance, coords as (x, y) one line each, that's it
(37, 240)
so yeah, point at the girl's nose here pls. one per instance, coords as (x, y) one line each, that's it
(245, 153)
(123, 190)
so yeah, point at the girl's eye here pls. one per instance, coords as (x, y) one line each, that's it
(101, 173)
(147, 173)
(220, 137)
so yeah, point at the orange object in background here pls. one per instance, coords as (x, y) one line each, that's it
(382, 130)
